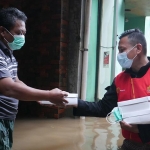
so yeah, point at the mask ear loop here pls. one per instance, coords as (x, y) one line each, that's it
(132, 48)
(110, 120)
(6, 40)
(8, 32)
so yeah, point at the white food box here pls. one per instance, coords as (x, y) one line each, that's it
(72, 99)
(135, 111)
(137, 117)
(137, 104)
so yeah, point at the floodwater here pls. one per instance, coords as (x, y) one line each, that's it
(91, 133)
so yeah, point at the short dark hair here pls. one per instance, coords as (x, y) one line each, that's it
(135, 36)
(8, 17)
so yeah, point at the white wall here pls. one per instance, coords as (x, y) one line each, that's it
(147, 33)
(120, 29)
(108, 39)
(105, 41)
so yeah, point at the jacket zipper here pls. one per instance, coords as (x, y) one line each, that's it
(132, 88)
(133, 92)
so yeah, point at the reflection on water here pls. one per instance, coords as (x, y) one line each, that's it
(99, 135)
(90, 133)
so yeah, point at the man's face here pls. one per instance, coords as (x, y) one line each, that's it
(18, 29)
(125, 46)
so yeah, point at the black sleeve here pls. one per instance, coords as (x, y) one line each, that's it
(100, 108)
(144, 132)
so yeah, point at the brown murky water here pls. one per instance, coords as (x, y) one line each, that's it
(90, 133)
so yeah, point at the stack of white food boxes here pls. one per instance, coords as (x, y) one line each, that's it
(135, 111)
(72, 99)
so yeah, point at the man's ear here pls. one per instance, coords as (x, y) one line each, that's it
(139, 48)
(2, 31)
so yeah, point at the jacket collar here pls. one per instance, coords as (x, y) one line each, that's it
(140, 73)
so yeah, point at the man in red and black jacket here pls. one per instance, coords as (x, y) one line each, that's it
(135, 81)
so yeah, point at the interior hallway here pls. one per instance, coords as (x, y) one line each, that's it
(66, 134)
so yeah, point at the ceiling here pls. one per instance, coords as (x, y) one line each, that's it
(138, 7)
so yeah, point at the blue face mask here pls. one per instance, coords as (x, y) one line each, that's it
(19, 41)
(116, 114)
(123, 60)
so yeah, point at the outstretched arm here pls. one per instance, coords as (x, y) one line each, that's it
(23, 92)
(100, 108)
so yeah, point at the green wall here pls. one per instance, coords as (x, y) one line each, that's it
(121, 16)
(91, 78)
(92, 66)
(120, 29)
(135, 22)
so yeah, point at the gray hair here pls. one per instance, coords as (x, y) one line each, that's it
(135, 36)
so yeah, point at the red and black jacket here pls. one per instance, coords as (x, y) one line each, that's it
(130, 88)
(102, 107)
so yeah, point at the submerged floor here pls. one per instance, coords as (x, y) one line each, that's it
(90, 133)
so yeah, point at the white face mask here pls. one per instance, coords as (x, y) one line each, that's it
(123, 60)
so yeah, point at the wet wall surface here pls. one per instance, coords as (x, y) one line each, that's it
(90, 133)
